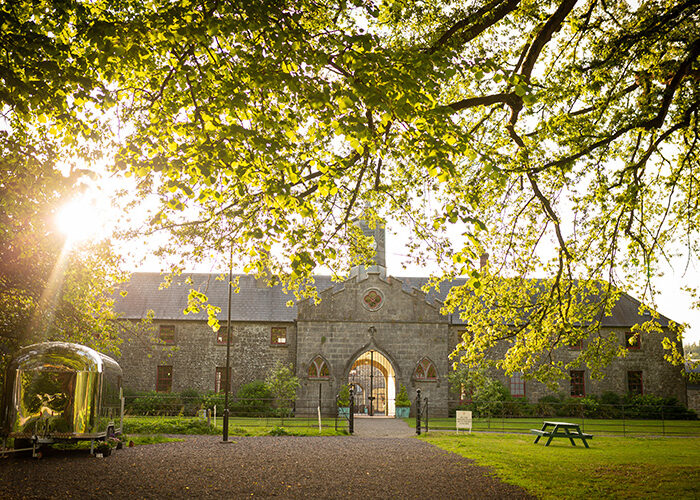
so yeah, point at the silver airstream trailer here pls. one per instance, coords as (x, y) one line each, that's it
(61, 391)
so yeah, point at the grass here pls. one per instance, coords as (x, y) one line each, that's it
(613, 467)
(592, 426)
(238, 426)
(138, 440)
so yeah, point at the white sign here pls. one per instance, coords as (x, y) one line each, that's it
(464, 420)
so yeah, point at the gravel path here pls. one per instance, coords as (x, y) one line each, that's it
(283, 467)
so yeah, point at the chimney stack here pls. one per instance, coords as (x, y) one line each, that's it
(483, 260)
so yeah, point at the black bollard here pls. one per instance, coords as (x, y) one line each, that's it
(351, 417)
(418, 410)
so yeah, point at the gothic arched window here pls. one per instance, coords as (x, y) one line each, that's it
(425, 370)
(318, 368)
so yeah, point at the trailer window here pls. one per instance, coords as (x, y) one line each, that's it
(164, 379)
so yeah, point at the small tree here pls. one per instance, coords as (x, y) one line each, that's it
(402, 398)
(487, 395)
(344, 396)
(283, 385)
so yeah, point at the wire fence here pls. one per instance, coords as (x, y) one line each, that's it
(243, 412)
(489, 416)
(622, 419)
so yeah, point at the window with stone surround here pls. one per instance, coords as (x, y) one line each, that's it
(635, 383)
(166, 333)
(425, 370)
(220, 379)
(517, 385)
(576, 346)
(318, 368)
(278, 335)
(631, 342)
(221, 335)
(578, 384)
(164, 379)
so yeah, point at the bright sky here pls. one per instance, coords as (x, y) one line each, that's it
(94, 214)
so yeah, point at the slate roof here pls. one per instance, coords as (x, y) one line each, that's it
(258, 302)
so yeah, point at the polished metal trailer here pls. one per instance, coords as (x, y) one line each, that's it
(60, 391)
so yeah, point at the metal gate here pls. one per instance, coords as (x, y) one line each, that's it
(373, 380)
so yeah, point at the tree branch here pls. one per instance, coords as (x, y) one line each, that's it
(485, 17)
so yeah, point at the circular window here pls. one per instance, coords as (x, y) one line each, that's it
(373, 299)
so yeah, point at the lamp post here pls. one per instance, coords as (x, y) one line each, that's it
(228, 350)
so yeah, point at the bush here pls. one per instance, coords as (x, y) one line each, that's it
(153, 403)
(648, 406)
(548, 406)
(191, 402)
(344, 396)
(168, 426)
(253, 400)
(212, 399)
(402, 398)
(517, 407)
(283, 385)
(187, 403)
(278, 431)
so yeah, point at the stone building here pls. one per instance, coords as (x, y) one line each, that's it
(373, 331)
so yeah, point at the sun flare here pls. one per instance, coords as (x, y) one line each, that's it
(80, 220)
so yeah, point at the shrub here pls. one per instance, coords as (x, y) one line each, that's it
(344, 396)
(191, 401)
(212, 399)
(547, 406)
(283, 385)
(402, 397)
(153, 403)
(168, 426)
(278, 431)
(253, 400)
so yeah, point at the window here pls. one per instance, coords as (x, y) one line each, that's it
(166, 333)
(318, 368)
(578, 386)
(221, 335)
(220, 379)
(164, 379)
(634, 382)
(278, 335)
(576, 346)
(425, 370)
(517, 385)
(636, 342)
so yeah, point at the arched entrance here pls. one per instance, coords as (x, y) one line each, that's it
(374, 379)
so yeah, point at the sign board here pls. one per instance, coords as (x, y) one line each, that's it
(464, 420)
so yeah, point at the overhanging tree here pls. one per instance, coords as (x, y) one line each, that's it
(561, 137)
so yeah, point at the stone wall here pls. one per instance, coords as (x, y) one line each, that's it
(694, 397)
(366, 312)
(404, 328)
(195, 354)
(660, 378)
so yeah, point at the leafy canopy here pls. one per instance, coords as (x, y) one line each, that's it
(561, 137)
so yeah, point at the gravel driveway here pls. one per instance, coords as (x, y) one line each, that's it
(283, 467)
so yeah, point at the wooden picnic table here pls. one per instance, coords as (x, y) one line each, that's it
(561, 429)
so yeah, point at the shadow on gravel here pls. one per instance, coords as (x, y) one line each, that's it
(263, 467)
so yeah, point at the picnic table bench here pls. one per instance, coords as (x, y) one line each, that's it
(563, 430)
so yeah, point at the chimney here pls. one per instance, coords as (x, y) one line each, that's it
(483, 260)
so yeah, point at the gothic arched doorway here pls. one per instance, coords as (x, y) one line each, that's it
(373, 377)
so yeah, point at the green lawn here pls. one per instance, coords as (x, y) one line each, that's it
(238, 426)
(613, 467)
(591, 426)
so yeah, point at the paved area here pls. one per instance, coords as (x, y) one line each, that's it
(385, 427)
(260, 467)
